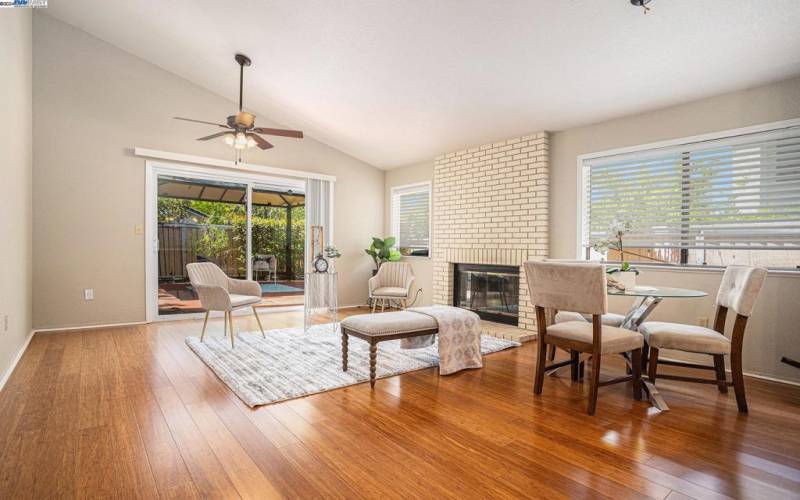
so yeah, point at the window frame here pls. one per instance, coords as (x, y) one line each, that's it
(409, 189)
(581, 182)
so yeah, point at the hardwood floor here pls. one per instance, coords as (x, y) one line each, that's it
(132, 412)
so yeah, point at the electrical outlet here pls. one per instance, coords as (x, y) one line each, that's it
(702, 321)
(138, 229)
(88, 294)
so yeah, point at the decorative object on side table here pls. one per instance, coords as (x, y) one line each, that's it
(625, 275)
(320, 299)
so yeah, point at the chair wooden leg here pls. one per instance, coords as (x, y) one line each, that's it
(258, 320)
(645, 356)
(719, 368)
(225, 324)
(374, 305)
(230, 326)
(594, 383)
(574, 368)
(205, 324)
(636, 368)
(551, 352)
(738, 381)
(653, 365)
(383, 304)
(541, 360)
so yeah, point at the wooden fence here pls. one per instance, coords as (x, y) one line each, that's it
(178, 245)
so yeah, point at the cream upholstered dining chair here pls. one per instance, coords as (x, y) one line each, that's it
(580, 288)
(738, 291)
(392, 282)
(218, 292)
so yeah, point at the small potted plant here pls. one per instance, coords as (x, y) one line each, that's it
(382, 250)
(332, 253)
(625, 273)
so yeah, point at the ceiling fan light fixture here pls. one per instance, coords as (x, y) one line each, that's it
(244, 119)
(642, 4)
(229, 139)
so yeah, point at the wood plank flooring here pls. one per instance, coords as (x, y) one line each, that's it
(132, 412)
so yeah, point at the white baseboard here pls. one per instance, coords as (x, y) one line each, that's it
(14, 363)
(88, 327)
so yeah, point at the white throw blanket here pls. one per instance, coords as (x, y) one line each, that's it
(459, 338)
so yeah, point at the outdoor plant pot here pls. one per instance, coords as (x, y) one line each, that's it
(626, 278)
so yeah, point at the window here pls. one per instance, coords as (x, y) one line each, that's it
(729, 200)
(411, 218)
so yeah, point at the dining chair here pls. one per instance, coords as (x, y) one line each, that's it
(581, 288)
(218, 292)
(738, 291)
(609, 319)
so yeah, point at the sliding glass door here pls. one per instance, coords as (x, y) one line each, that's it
(250, 230)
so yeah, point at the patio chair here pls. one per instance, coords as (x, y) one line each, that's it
(218, 292)
(267, 264)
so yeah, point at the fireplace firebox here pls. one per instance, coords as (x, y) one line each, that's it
(490, 291)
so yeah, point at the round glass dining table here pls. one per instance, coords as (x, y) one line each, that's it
(647, 298)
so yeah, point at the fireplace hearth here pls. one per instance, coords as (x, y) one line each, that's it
(489, 290)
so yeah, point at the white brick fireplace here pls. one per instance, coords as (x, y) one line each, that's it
(491, 206)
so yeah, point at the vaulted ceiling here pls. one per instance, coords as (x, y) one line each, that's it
(394, 82)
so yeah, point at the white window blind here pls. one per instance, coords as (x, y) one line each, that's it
(411, 218)
(732, 193)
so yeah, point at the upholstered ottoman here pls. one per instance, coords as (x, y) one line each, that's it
(376, 328)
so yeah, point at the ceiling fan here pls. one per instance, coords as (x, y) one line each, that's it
(240, 130)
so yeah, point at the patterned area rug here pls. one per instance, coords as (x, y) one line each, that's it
(291, 363)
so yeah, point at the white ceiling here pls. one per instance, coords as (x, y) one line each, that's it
(394, 82)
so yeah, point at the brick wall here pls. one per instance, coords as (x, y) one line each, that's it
(491, 206)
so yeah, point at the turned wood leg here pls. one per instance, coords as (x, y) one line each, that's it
(636, 368)
(230, 326)
(719, 368)
(551, 352)
(653, 365)
(258, 320)
(373, 356)
(344, 351)
(738, 381)
(594, 383)
(205, 323)
(541, 360)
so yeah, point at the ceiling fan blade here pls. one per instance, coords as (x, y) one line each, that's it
(279, 131)
(212, 136)
(260, 142)
(200, 121)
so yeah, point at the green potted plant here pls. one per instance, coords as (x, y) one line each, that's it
(382, 250)
(625, 273)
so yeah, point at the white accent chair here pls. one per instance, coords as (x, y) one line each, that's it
(218, 292)
(266, 264)
(738, 291)
(392, 282)
(580, 288)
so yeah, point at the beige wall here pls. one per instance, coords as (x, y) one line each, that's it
(773, 330)
(422, 266)
(15, 178)
(92, 104)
